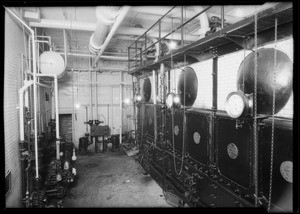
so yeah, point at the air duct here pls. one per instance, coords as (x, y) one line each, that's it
(106, 16)
(204, 24)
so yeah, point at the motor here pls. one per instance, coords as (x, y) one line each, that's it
(84, 143)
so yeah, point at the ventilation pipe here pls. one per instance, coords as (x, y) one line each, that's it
(204, 24)
(106, 16)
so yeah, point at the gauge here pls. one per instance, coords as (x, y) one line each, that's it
(169, 100)
(237, 104)
(172, 100)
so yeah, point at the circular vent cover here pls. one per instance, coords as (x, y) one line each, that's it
(147, 89)
(187, 86)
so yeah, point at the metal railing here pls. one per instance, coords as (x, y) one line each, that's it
(138, 50)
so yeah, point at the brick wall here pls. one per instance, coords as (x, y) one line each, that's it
(14, 46)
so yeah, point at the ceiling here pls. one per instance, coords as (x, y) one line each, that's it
(80, 24)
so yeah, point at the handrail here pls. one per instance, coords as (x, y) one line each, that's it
(153, 25)
(144, 35)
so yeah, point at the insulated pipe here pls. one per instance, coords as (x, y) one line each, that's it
(65, 48)
(21, 108)
(154, 102)
(47, 37)
(86, 26)
(203, 21)
(91, 102)
(52, 104)
(105, 17)
(119, 20)
(121, 105)
(56, 111)
(117, 58)
(96, 97)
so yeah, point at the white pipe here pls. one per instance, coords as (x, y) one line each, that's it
(86, 26)
(47, 37)
(56, 111)
(65, 48)
(118, 22)
(21, 108)
(121, 105)
(52, 104)
(118, 58)
(154, 102)
(96, 97)
(203, 21)
(91, 102)
(105, 17)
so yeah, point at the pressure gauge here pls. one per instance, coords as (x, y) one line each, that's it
(238, 104)
(169, 100)
(172, 100)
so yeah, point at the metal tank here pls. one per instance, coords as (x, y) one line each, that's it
(265, 80)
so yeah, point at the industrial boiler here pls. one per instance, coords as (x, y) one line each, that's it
(240, 155)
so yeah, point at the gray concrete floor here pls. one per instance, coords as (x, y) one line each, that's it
(113, 179)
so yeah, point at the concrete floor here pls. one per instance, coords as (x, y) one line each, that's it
(112, 179)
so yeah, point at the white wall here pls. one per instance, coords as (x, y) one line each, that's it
(12, 82)
(73, 88)
(228, 66)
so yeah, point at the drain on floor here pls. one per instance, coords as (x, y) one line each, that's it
(91, 165)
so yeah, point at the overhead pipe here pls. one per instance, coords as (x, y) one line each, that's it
(204, 23)
(86, 26)
(105, 17)
(117, 58)
(118, 22)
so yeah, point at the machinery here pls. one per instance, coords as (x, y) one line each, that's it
(240, 157)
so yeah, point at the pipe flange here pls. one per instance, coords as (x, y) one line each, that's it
(107, 14)
(94, 48)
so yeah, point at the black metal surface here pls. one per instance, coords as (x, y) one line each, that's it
(146, 93)
(177, 133)
(234, 164)
(187, 86)
(282, 191)
(149, 120)
(265, 80)
(197, 125)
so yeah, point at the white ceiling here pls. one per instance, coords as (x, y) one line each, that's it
(137, 21)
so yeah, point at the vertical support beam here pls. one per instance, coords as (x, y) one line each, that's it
(146, 56)
(121, 106)
(91, 91)
(222, 16)
(215, 83)
(181, 28)
(96, 96)
(212, 137)
(155, 105)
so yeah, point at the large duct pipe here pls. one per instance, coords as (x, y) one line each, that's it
(204, 24)
(105, 17)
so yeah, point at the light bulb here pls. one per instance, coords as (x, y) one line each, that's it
(77, 105)
(127, 101)
(172, 45)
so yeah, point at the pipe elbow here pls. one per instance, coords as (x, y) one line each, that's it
(204, 23)
(107, 14)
